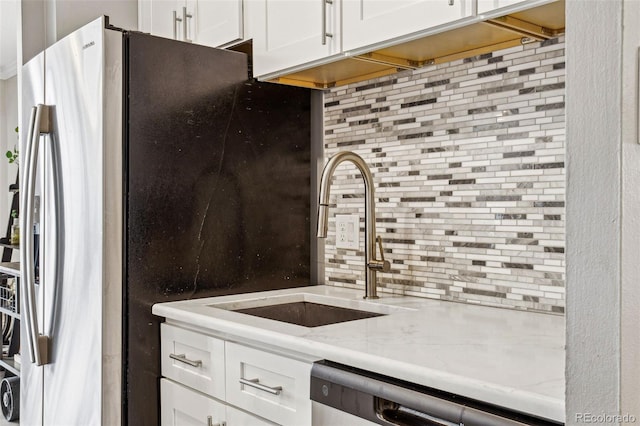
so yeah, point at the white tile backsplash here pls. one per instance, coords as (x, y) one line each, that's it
(468, 162)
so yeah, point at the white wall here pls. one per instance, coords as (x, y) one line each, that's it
(630, 220)
(603, 232)
(73, 14)
(47, 21)
(8, 139)
(8, 56)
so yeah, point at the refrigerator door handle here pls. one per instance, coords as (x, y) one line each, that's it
(26, 243)
(38, 344)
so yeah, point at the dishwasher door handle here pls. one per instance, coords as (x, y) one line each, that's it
(398, 415)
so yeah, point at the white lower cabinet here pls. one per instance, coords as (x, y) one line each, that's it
(182, 406)
(210, 381)
(193, 359)
(240, 418)
(269, 385)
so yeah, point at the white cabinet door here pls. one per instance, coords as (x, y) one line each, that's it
(180, 406)
(489, 5)
(208, 22)
(214, 22)
(367, 22)
(291, 33)
(193, 359)
(268, 385)
(160, 17)
(240, 418)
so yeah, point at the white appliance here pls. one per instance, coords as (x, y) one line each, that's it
(343, 395)
(72, 333)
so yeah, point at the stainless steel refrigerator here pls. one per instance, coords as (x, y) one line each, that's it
(152, 170)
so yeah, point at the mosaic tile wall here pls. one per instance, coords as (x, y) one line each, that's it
(468, 162)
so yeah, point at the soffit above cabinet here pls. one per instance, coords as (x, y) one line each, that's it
(474, 36)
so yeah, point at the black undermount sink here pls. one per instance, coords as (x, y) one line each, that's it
(307, 314)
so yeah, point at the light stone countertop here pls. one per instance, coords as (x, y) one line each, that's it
(509, 358)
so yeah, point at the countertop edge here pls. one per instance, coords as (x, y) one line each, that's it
(511, 398)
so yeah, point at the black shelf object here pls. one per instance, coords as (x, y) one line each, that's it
(9, 300)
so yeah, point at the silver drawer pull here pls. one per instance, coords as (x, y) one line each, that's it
(325, 34)
(185, 31)
(183, 358)
(175, 25)
(255, 383)
(211, 423)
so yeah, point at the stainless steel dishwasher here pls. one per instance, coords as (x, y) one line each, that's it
(346, 396)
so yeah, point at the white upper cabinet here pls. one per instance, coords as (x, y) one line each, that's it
(294, 32)
(158, 19)
(208, 22)
(298, 34)
(215, 22)
(489, 5)
(367, 22)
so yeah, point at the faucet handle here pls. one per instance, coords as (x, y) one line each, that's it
(379, 265)
(379, 241)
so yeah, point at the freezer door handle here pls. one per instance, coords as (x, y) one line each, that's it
(38, 343)
(24, 272)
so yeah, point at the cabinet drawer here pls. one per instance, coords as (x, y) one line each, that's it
(181, 406)
(268, 385)
(240, 418)
(193, 359)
